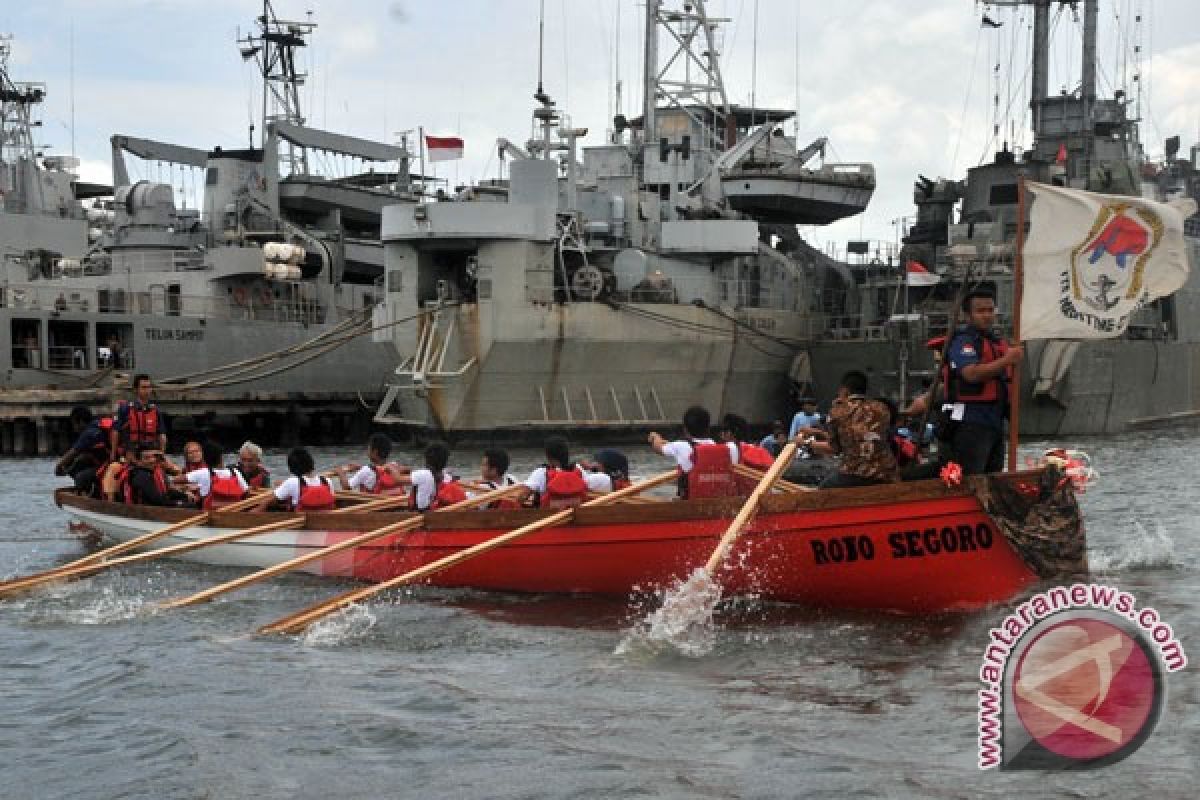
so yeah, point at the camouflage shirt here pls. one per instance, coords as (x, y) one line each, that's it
(859, 430)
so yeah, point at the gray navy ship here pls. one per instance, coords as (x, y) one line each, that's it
(265, 291)
(607, 288)
(968, 227)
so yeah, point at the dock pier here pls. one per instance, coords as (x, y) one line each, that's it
(36, 422)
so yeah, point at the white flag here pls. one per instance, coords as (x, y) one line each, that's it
(1092, 260)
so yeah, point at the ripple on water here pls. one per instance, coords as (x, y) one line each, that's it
(1143, 548)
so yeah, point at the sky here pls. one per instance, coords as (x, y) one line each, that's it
(907, 85)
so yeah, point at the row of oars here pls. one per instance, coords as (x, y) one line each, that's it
(295, 623)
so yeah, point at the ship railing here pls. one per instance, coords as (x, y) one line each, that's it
(67, 357)
(159, 261)
(157, 301)
(714, 292)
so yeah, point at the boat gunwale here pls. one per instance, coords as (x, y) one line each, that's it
(826, 500)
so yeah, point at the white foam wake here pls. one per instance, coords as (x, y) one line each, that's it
(682, 624)
(1141, 549)
(347, 625)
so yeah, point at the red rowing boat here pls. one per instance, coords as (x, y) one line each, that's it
(911, 547)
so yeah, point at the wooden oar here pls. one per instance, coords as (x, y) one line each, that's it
(123, 547)
(378, 504)
(302, 619)
(18, 586)
(751, 506)
(361, 539)
(756, 474)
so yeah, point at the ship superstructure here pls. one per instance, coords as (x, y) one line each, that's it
(609, 287)
(274, 256)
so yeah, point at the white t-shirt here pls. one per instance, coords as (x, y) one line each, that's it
(426, 487)
(201, 479)
(596, 481)
(681, 452)
(364, 480)
(289, 490)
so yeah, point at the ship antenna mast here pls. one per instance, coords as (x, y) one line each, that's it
(273, 49)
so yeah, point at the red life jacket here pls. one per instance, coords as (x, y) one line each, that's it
(141, 426)
(131, 495)
(504, 503)
(386, 483)
(259, 480)
(565, 488)
(448, 493)
(316, 498)
(958, 390)
(223, 490)
(192, 466)
(711, 474)
(621, 483)
(754, 456)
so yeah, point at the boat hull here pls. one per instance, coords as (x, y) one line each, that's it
(915, 548)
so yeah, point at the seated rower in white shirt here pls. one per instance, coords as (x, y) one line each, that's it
(433, 487)
(718, 480)
(377, 476)
(560, 483)
(305, 490)
(214, 484)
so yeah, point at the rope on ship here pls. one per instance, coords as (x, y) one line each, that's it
(251, 369)
(703, 328)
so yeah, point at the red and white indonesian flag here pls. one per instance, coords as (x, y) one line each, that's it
(919, 274)
(444, 148)
(1092, 260)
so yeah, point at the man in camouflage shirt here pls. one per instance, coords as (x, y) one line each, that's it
(860, 430)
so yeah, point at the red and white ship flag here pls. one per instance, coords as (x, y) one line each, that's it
(444, 148)
(919, 275)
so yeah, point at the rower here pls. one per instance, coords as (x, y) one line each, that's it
(377, 476)
(705, 467)
(305, 490)
(493, 474)
(144, 480)
(733, 432)
(250, 466)
(560, 483)
(88, 455)
(216, 485)
(193, 456)
(433, 487)
(860, 430)
(612, 463)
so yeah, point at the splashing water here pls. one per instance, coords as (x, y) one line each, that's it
(109, 606)
(683, 623)
(1142, 549)
(349, 624)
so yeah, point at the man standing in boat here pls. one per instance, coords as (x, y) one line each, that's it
(976, 379)
(139, 422)
(860, 430)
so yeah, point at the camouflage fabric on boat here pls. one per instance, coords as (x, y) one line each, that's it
(1041, 520)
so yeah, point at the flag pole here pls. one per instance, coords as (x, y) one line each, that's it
(421, 133)
(1014, 385)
